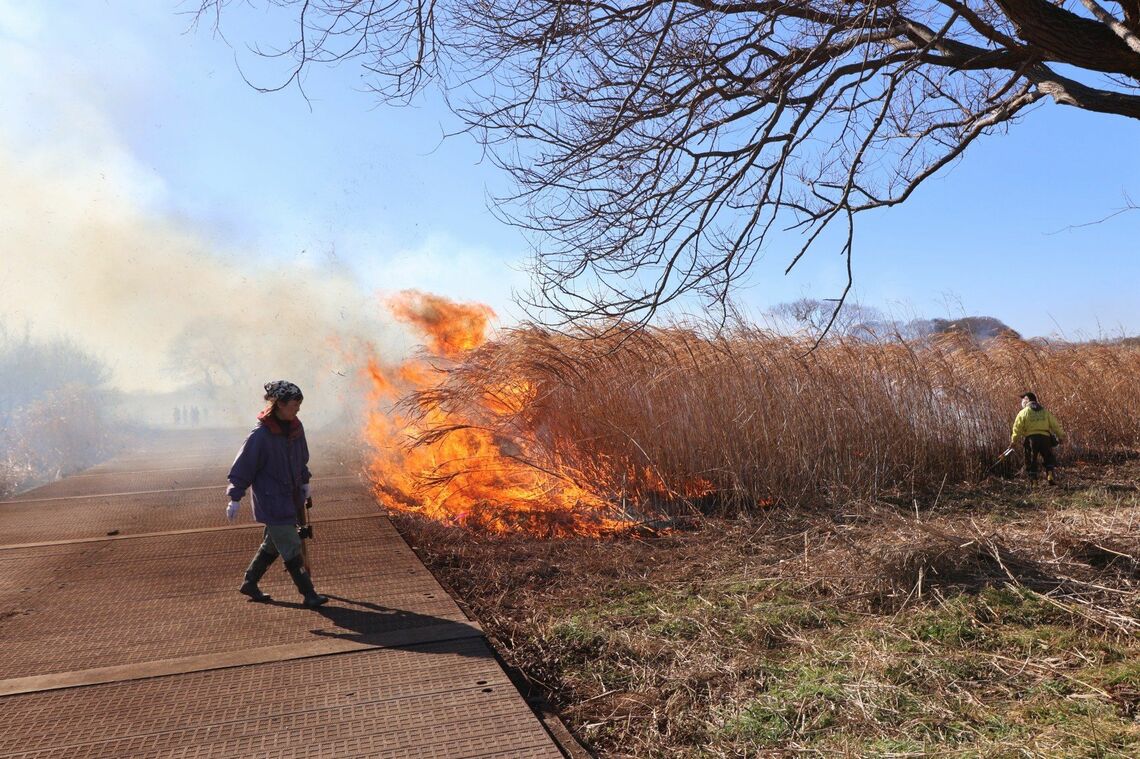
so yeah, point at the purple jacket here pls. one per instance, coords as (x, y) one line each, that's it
(275, 462)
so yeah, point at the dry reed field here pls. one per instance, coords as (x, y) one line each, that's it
(674, 420)
(803, 552)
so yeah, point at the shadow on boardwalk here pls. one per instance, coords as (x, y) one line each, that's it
(364, 622)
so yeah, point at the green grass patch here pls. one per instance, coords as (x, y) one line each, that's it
(798, 701)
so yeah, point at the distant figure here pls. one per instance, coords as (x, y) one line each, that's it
(194, 416)
(1039, 431)
(177, 416)
(274, 460)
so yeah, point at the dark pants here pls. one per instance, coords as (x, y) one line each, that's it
(1039, 445)
(281, 539)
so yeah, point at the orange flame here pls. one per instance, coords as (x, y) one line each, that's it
(452, 328)
(441, 465)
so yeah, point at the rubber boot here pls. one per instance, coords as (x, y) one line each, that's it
(253, 573)
(304, 583)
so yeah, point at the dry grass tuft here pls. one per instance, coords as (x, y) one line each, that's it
(63, 431)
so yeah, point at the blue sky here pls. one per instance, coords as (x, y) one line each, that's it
(157, 119)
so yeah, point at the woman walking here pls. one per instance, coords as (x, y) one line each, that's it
(273, 464)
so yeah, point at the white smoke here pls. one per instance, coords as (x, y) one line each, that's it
(90, 254)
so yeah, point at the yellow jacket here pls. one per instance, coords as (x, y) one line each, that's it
(1035, 421)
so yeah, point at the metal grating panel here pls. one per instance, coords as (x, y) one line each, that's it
(30, 521)
(173, 662)
(176, 596)
(444, 700)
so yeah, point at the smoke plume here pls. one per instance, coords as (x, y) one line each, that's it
(155, 301)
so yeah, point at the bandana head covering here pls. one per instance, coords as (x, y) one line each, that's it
(282, 390)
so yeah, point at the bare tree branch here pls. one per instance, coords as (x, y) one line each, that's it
(658, 146)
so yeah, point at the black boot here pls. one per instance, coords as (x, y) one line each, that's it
(304, 583)
(253, 573)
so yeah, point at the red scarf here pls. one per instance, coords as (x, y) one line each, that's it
(294, 428)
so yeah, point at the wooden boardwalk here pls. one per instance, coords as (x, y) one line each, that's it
(122, 633)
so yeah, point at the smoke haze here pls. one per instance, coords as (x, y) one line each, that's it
(145, 294)
(91, 255)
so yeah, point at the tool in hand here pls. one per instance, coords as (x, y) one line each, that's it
(305, 531)
(1000, 459)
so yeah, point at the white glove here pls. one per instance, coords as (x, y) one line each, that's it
(232, 510)
(305, 489)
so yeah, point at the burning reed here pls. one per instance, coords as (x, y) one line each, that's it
(553, 434)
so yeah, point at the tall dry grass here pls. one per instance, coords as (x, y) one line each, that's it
(63, 431)
(53, 410)
(747, 417)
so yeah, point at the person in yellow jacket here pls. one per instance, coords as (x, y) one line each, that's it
(1039, 432)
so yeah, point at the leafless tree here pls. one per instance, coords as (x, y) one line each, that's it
(207, 351)
(814, 315)
(657, 144)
